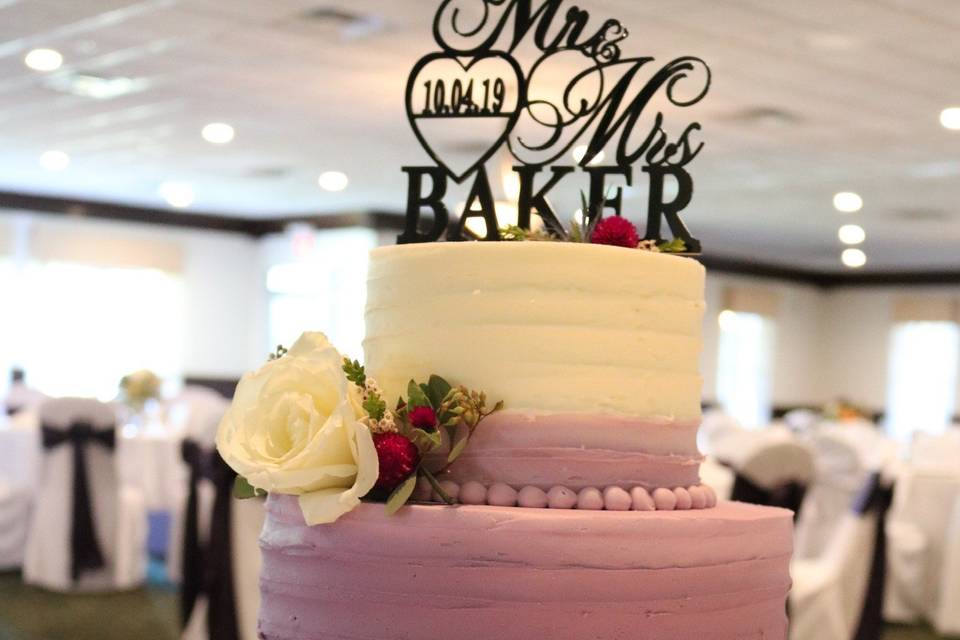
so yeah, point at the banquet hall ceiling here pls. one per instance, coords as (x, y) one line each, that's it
(810, 97)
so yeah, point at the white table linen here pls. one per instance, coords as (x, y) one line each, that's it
(149, 459)
(19, 455)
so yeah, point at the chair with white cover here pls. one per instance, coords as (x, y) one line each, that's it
(775, 472)
(838, 595)
(87, 531)
(802, 420)
(715, 427)
(195, 414)
(218, 552)
(840, 474)
(924, 538)
(947, 616)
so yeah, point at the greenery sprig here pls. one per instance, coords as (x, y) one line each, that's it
(355, 372)
(456, 412)
(582, 228)
(677, 245)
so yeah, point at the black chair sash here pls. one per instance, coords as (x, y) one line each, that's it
(788, 495)
(84, 546)
(209, 570)
(875, 496)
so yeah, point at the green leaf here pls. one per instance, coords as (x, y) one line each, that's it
(375, 406)
(512, 232)
(437, 390)
(401, 494)
(425, 441)
(677, 245)
(243, 490)
(426, 391)
(355, 372)
(458, 442)
(416, 397)
(576, 231)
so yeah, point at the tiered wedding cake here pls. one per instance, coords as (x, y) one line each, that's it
(581, 514)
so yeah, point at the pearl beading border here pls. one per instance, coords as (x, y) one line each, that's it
(610, 498)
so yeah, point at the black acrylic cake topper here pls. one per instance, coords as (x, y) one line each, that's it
(470, 83)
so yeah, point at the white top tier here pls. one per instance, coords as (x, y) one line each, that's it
(545, 326)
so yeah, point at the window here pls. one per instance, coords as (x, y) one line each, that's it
(7, 296)
(923, 377)
(325, 290)
(745, 366)
(79, 328)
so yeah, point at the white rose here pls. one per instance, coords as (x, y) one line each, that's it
(294, 428)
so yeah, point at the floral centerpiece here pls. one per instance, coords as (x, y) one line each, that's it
(312, 423)
(137, 388)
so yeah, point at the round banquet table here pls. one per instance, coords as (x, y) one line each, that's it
(19, 450)
(149, 458)
(19, 456)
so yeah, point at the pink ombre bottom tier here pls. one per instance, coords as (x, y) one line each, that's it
(509, 573)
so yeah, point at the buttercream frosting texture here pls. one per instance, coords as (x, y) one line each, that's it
(475, 573)
(550, 326)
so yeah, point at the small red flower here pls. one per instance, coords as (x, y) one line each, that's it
(423, 418)
(616, 231)
(398, 459)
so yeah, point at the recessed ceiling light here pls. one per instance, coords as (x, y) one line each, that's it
(581, 150)
(217, 133)
(43, 59)
(851, 234)
(333, 181)
(96, 87)
(177, 194)
(847, 202)
(950, 118)
(54, 160)
(853, 258)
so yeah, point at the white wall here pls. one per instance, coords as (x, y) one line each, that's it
(859, 322)
(225, 304)
(830, 343)
(798, 352)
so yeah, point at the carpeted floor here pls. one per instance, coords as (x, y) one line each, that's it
(146, 614)
(27, 613)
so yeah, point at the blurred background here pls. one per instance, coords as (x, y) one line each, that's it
(185, 184)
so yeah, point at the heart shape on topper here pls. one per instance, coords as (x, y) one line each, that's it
(441, 67)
